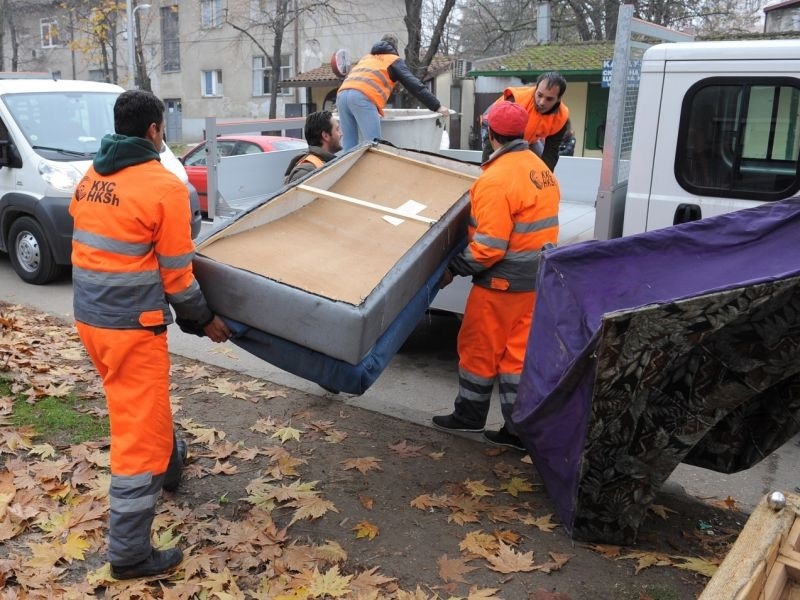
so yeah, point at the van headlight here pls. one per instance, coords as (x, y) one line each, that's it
(60, 176)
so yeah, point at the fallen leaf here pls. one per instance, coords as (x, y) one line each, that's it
(287, 433)
(660, 510)
(454, 569)
(476, 593)
(555, 563)
(645, 560)
(364, 464)
(366, 501)
(478, 489)
(728, 503)
(698, 565)
(542, 523)
(517, 485)
(479, 543)
(405, 450)
(365, 529)
(508, 560)
(330, 583)
(606, 550)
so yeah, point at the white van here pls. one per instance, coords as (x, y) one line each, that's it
(50, 130)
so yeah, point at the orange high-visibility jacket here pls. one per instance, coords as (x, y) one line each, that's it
(513, 214)
(132, 249)
(539, 126)
(371, 77)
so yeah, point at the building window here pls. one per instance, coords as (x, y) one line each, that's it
(212, 83)
(49, 28)
(262, 75)
(170, 40)
(740, 138)
(97, 75)
(210, 13)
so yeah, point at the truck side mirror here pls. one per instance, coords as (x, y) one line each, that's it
(9, 155)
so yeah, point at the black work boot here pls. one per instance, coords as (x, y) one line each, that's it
(504, 438)
(175, 467)
(159, 561)
(453, 423)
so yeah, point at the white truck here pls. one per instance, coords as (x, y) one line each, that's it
(50, 131)
(717, 129)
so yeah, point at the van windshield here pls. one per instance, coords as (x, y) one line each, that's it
(63, 125)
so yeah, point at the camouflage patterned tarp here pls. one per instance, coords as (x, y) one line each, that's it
(678, 345)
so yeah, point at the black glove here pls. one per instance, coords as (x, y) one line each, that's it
(189, 326)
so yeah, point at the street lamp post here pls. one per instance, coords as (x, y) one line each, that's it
(131, 16)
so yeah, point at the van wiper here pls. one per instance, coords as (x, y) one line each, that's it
(65, 151)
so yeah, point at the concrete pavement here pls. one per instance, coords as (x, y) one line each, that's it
(419, 382)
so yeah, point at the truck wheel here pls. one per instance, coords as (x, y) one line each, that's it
(30, 253)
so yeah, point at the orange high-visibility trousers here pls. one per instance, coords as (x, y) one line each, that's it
(494, 332)
(134, 366)
(491, 347)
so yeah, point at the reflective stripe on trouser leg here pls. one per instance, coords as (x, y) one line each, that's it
(508, 384)
(133, 506)
(474, 395)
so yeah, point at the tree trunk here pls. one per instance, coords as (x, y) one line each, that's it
(275, 61)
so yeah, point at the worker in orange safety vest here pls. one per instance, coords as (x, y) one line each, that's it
(548, 116)
(366, 89)
(324, 137)
(513, 216)
(132, 258)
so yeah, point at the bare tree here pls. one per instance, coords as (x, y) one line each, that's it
(272, 21)
(495, 27)
(416, 60)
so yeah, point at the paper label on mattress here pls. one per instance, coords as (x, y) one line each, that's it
(411, 207)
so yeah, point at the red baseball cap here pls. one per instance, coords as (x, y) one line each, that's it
(508, 119)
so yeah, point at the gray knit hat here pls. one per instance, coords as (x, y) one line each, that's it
(391, 39)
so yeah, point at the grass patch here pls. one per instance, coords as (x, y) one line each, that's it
(57, 420)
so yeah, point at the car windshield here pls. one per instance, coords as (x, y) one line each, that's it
(63, 125)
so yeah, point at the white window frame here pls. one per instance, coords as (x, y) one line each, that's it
(211, 83)
(262, 69)
(48, 28)
(210, 14)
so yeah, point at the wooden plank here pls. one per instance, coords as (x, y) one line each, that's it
(776, 582)
(793, 539)
(792, 567)
(422, 163)
(371, 205)
(747, 566)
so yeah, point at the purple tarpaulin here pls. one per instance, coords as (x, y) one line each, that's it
(635, 351)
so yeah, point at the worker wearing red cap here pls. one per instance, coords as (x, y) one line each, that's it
(513, 215)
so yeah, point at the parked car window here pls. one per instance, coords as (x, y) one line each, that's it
(740, 138)
(199, 157)
(248, 148)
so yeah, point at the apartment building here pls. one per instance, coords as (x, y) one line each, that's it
(203, 57)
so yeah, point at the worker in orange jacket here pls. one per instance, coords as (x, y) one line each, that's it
(132, 258)
(366, 90)
(513, 216)
(548, 116)
(324, 137)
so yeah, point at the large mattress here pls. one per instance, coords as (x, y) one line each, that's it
(677, 345)
(330, 264)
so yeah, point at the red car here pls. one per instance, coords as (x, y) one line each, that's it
(195, 159)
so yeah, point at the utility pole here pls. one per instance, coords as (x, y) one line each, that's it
(133, 67)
